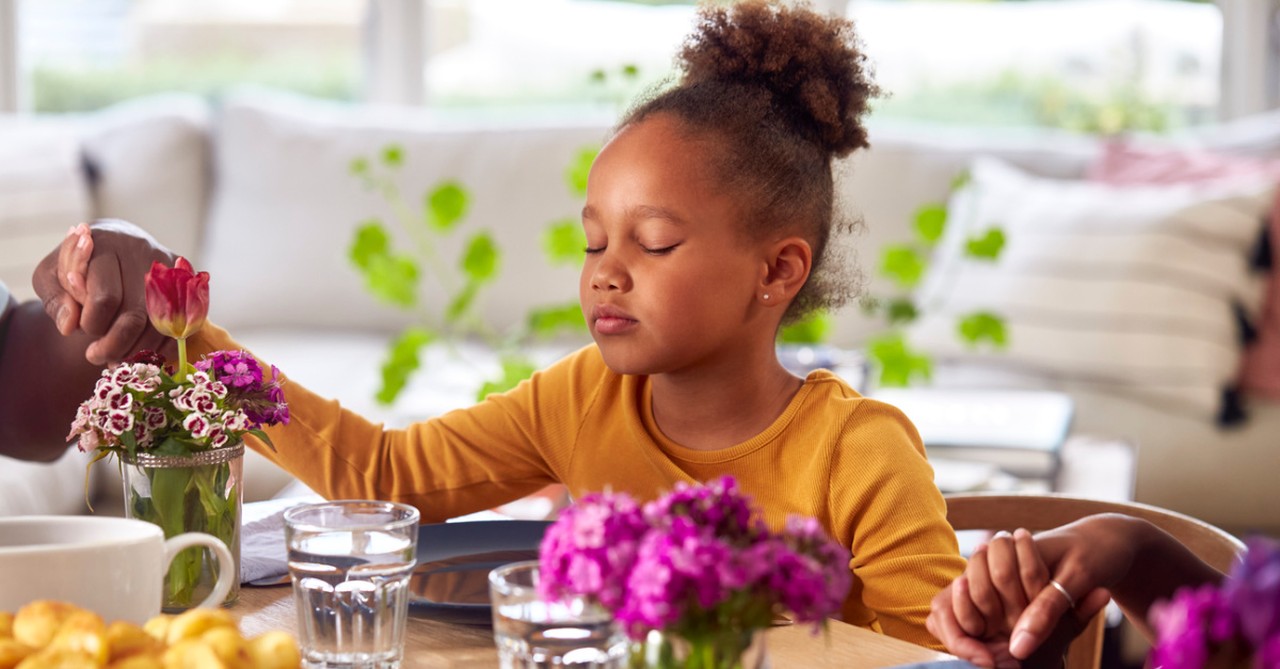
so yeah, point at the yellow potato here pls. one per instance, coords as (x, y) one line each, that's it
(139, 661)
(83, 632)
(58, 659)
(126, 639)
(275, 650)
(229, 646)
(158, 627)
(193, 623)
(192, 654)
(6, 625)
(37, 622)
(12, 652)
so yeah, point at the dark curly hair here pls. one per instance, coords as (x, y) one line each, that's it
(782, 88)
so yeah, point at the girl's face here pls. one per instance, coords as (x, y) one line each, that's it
(671, 279)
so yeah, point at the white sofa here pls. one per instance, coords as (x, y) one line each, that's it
(257, 190)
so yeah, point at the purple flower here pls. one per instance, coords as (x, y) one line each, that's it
(1181, 627)
(695, 560)
(590, 549)
(1253, 591)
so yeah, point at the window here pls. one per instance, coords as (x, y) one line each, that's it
(84, 54)
(1088, 65)
(519, 56)
(1092, 65)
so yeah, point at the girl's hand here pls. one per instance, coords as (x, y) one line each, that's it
(95, 282)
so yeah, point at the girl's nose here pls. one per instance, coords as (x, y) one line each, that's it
(609, 274)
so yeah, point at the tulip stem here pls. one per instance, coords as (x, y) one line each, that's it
(182, 359)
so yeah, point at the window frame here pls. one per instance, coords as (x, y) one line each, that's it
(394, 53)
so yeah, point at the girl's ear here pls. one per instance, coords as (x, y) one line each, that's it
(786, 270)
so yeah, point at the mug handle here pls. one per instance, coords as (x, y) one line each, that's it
(226, 564)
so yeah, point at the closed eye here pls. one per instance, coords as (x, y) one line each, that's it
(660, 251)
(593, 250)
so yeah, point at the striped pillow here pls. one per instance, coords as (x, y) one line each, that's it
(1130, 289)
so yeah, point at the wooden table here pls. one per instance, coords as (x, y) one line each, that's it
(429, 643)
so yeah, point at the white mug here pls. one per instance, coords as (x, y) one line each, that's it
(114, 567)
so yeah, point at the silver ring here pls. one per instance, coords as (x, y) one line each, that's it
(1071, 601)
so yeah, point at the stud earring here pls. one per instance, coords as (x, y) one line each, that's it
(765, 296)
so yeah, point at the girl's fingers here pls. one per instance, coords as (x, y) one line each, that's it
(1006, 578)
(1031, 567)
(982, 592)
(73, 262)
(966, 614)
(943, 625)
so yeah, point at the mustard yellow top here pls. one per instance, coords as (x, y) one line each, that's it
(855, 464)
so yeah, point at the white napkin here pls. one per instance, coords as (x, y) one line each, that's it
(263, 556)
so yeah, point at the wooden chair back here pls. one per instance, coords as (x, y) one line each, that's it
(1037, 512)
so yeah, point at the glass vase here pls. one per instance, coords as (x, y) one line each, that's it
(200, 492)
(720, 649)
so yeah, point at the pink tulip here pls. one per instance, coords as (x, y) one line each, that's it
(177, 299)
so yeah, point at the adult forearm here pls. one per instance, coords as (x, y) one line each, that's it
(1161, 565)
(43, 378)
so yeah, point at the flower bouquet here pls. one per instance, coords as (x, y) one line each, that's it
(177, 430)
(1236, 624)
(693, 575)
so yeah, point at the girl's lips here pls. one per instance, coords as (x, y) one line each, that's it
(614, 325)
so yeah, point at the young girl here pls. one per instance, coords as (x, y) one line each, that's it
(707, 220)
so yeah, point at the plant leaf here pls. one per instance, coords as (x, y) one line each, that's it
(401, 361)
(393, 279)
(370, 240)
(813, 328)
(983, 326)
(930, 221)
(898, 363)
(393, 155)
(359, 166)
(461, 302)
(902, 311)
(576, 173)
(987, 247)
(480, 259)
(961, 180)
(447, 205)
(515, 368)
(903, 264)
(564, 242)
(547, 321)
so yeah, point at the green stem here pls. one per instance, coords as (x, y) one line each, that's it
(182, 360)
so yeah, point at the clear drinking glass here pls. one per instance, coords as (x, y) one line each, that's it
(351, 562)
(532, 633)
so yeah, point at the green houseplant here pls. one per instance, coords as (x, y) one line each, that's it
(408, 278)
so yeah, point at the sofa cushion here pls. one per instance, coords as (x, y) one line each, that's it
(287, 206)
(149, 164)
(1129, 288)
(1122, 163)
(42, 193)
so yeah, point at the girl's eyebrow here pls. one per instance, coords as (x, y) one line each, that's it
(644, 211)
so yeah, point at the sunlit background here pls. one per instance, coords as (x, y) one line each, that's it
(1091, 65)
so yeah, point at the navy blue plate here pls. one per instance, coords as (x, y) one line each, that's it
(451, 581)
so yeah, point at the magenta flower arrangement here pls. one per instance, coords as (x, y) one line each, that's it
(1236, 624)
(697, 564)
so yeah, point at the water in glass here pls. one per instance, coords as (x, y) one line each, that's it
(351, 586)
(533, 634)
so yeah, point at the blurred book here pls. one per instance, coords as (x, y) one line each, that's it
(1019, 431)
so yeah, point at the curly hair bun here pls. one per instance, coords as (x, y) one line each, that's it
(810, 63)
